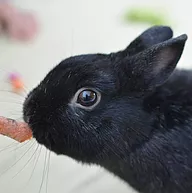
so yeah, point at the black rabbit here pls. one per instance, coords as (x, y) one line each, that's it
(129, 112)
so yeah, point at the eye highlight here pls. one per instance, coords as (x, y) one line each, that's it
(86, 98)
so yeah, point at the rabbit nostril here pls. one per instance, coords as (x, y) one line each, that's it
(26, 118)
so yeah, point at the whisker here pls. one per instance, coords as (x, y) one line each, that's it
(44, 171)
(24, 144)
(26, 163)
(10, 97)
(16, 119)
(19, 119)
(13, 93)
(8, 147)
(11, 102)
(14, 114)
(16, 161)
(24, 90)
(12, 146)
(48, 167)
(35, 165)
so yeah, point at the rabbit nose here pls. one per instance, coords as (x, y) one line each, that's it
(28, 108)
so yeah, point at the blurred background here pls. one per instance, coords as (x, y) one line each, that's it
(66, 28)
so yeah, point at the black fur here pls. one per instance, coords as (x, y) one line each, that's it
(142, 128)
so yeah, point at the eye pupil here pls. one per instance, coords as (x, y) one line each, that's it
(87, 97)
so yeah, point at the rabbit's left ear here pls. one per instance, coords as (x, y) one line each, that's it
(148, 38)
(153, 66)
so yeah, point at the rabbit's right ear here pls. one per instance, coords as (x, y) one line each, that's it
(152, 67)
(148, 38)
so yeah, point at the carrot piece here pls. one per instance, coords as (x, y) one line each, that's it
(18, 131)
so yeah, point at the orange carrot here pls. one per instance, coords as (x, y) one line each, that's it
(18, 131)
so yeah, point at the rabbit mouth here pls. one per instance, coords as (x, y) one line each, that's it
(45, 135)
(46, 139)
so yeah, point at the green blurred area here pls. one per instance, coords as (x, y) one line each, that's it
(147, 15)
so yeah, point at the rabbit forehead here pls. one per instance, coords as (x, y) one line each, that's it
(80, 71)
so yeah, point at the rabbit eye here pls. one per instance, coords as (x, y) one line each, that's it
(87, 98)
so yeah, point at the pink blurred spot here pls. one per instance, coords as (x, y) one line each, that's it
(14, 76)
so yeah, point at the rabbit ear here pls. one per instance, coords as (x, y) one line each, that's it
(153, 66)
(148, 38)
